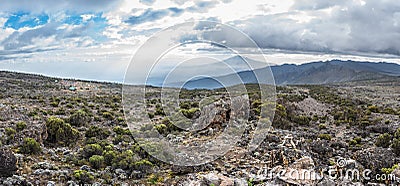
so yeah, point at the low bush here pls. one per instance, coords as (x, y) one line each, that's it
(83, 177)
(30, 146)
(190, 112)
(107, 115)
(396, 146)
(95, 131)
(60, 132)
(79, 118)
(383, 140)
(96, 161)
(92, 149)
(325, 136)
(21, 125)
(355, 141)
(121, 131)
(109, 157)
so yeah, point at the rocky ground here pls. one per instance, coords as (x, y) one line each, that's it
(66, 132)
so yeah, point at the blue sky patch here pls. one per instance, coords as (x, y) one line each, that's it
(92, 27)
(74, 19)
(22, 19)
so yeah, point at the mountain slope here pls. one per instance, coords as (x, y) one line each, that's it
(334, 71)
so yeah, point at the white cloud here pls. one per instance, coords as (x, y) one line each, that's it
(365, 28)
(344, 27)
(55, 6)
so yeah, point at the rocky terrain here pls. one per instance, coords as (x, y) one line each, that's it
(66, 132)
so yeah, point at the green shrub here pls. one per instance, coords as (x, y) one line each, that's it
(397, 133)
(355, 141)
(83, 176)
(79, 118)
(159, 110)
(325, 136)
(389, 111)
(301, 120)
(143, 165)
(30, 146)
(322, 126)
(92, 149)
(120, 119)
(396, 146)
(383, 140)
(125, 160)
(96, 161)
(10, 132)
(21, 125)
(373, 108)
(121, 131)
(161, 128)
(54, 104)
(390, 170)
(151, 115)
(109, 157)
(95, 131)
(60, 111)
(121, 138)
(189, 113)
(107, 115)
(60, 132)
(154, 179)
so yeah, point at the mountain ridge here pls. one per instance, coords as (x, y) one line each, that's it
(333, 71)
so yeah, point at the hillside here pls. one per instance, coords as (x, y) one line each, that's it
(53, 135)
(309, 73)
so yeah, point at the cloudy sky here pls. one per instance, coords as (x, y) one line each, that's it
(95, 39)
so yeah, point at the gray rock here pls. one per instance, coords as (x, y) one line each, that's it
(217, 179)
(7, 163)
(137, 174)
(211, 179)
(303, 163)
(71, 183)
(15, 180)
(51, 183)
(43, 165)
(240, 182)
(119, 171)
(85, 167)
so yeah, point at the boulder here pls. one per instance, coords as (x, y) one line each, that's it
(217, 180)
(8, 163)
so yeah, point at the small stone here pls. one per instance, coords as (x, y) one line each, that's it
(136, 174)
(211, 179)
(119, 171)
(71, 183)
(85, 167)
(7, 163)
(240, 182)
(51, 183)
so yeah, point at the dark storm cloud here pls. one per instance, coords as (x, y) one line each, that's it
(20, 39)
(147, 2)
(22, 43)
(202, 6)
(62, 5)
(316, 4)
(151, 15)
(329, 27)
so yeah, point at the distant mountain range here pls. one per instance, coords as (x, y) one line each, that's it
(334, 71)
